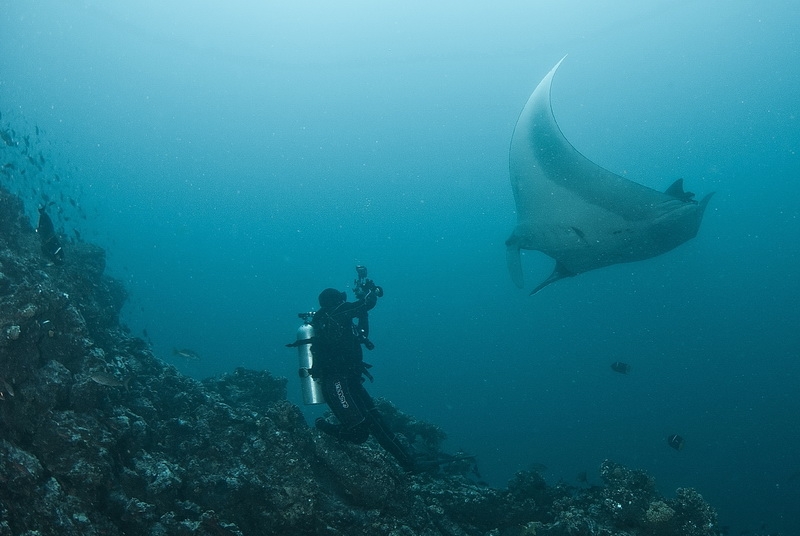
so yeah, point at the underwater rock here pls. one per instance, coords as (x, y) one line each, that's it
(258, 390)
(14, 226)
(5, 283)
(693, 516)
(659, 513)
(23, 470)
(627, 494)
(101, 437)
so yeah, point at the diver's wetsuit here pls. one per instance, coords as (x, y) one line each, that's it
(339, 367)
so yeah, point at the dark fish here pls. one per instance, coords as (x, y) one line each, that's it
(582, 477)
(51, 247)
(7, 138)
(619, 366)
(675, 441)
(185, 353)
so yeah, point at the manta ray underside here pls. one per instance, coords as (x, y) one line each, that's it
(583, 216)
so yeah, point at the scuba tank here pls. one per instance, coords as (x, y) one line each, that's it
(312, 390)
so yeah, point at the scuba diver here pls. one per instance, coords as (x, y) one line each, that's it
(340, 329)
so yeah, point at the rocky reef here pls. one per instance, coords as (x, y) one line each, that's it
(99, 437)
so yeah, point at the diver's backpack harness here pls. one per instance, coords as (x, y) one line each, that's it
(330, 341)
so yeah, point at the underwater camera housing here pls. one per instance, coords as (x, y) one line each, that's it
(363, 286)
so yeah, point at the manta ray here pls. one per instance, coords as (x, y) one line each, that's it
(580, 214)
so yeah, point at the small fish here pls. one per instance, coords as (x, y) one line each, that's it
(582, 477)
(619, 366)
(189, 355)
(675, 441)
(5, 389)
(109, 380)
(7, 138)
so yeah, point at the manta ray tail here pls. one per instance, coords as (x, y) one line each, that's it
(559, 272)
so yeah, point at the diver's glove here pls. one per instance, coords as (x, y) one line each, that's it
(366, 287)
(378, 290)
(372, 287)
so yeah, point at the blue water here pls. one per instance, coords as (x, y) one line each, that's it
(236, 158)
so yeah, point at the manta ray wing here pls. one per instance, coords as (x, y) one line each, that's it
(577, 212)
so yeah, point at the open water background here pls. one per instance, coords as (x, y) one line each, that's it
(236, 158)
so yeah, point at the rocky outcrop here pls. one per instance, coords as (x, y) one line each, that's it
(97, 436)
